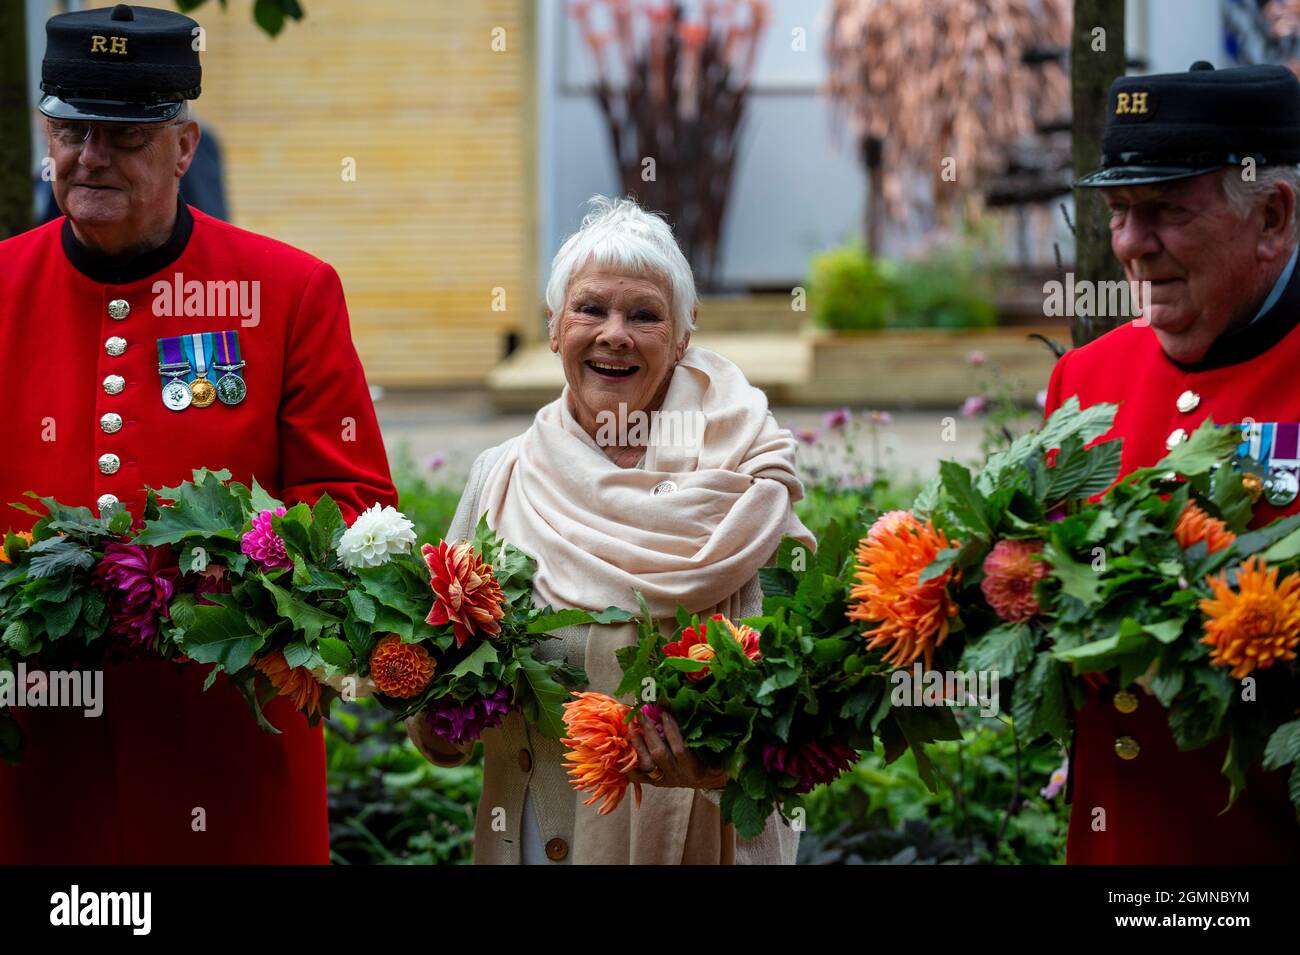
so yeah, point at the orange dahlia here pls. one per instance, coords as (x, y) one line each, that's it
(1194, 525)
(297, 683)
(4, 558)
(1011, 571)
(466, 592)
(400, 670)
(1257, 624)
(695, 644)
(601, 753)
(913, 616)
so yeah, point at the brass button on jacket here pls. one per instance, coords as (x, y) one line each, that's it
(557, 849)
(525, 760)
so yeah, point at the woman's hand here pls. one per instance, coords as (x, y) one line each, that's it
(666, 761)
(431, 746)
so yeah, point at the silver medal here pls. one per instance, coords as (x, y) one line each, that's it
(176, 394)
(1281, 486)
(231, 389)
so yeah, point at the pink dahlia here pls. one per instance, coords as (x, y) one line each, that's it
(138, 583)
(263, 544)
(1010, 572)
(811, 763)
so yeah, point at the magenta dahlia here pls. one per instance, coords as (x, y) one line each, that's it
(812, 763)
(138, 582)
(459, 721)
(263, 544)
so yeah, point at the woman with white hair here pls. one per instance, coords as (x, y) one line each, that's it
(683, 502)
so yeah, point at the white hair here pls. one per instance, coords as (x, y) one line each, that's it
(619, 233)
(1242, 194)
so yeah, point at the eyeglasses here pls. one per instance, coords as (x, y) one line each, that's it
(124, 138)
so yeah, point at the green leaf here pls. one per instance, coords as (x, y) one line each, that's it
(18, 637)
(1210, 444)
(745, 813)
(1100, 655)
(541, 698)
(362, 606)
(1285, 549)
(62, 617)
(1005, 649)
(260, 501)
(335, 652)
(1079, 581)
(298, 654)
(310, 620)
(327, 525)
(1283, 746)
(203, 510)
(222, 636)
(1086, 473)
(963, 501)
(558, 620)
(1166, 631)
(482, 655)
(1039, 705)
(55, 555)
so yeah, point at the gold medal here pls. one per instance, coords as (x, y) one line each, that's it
(1253, 484)
(203, 392)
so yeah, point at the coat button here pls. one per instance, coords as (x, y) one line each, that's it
(119, 309)
(115, 345)
(525, 760)
(1188, 401)
(110, 423)
(1126, 747)
(109, 463)
(114, 384)
(1176, 437)
(557, 849)
(1125, 702)
(106, 501)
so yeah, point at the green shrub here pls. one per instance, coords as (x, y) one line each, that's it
(851, 291)
(848, 291)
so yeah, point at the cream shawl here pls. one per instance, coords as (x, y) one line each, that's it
(600, 533)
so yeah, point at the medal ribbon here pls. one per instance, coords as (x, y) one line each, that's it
(198, 348)
(171, 354)
(226, 347)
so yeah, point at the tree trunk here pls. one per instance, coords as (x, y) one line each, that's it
(16, 191)
(1091, 72)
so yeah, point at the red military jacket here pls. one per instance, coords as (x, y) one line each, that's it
(169, 773)
(1163, 806)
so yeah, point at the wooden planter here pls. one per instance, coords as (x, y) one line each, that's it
(924, 368)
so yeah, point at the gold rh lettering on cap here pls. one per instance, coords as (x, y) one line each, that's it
(101, 44)
(1130, 103)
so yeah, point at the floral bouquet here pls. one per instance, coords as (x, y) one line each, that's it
(782, 703)
(1042, 569)
(289, 601)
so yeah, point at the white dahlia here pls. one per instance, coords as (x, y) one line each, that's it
(375, 536)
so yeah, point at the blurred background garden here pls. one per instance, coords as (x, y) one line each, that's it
(872, 194)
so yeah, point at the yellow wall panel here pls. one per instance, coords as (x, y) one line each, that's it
(441, 130)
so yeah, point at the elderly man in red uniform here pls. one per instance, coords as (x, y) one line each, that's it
(1199, 172)
(140, 339)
